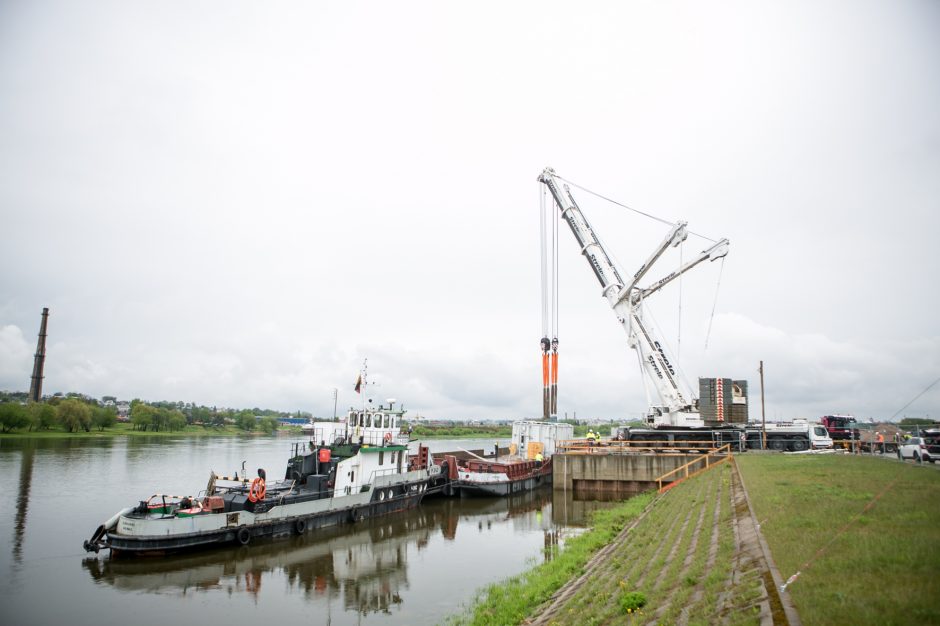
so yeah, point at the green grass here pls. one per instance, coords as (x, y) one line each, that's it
(858, 565)
(511, 601)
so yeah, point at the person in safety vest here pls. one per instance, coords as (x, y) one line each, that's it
(591, 437)
(538, 458)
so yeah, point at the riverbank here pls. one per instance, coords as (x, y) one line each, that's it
(861, 534)
(128, 430)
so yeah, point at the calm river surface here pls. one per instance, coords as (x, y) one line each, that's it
(413, 568)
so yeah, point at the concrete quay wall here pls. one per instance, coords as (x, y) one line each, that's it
(620, 473)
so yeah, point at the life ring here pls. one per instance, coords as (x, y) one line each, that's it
(257, 490)
(243, 535)
(388, 437)
(300, 526)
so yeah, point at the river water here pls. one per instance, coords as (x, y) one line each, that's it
(413, 568)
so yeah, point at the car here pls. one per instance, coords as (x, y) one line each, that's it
(919, 449)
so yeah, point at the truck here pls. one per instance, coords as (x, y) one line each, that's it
(795, 436)
(846, 435)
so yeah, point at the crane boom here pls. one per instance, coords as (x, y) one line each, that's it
(676, 407)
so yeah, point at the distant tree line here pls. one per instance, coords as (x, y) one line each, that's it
(71, 414)
(75, 412)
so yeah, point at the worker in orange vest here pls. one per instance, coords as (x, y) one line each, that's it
(881, 442)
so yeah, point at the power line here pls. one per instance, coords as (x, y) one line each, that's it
(915, 398)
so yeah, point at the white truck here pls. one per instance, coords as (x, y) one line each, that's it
(796, 436)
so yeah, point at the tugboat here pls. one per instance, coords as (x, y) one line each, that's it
(342, 476)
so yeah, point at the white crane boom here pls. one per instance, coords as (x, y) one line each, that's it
(676, 408)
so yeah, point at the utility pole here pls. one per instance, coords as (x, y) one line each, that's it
(763, 422)
(35, 383)
(335, 394)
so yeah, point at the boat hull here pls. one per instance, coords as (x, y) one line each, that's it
(291, 522)
(501, 489)
(502, 479)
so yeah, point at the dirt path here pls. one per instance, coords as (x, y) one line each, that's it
(695, 553)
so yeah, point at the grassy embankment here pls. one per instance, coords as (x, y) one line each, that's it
(864, 533)
(511, 601)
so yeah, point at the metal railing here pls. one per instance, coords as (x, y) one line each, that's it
(613, 446)
(705, 462)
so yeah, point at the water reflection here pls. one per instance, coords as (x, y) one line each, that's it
(22, 501)
(362, 568)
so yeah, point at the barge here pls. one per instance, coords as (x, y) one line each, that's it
(528, 465)
(364, 472)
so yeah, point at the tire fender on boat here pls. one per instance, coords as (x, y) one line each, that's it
(300, 526)
(355, 515)
(243, 535)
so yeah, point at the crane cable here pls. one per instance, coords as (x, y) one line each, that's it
(556, 222)
(544, 341)
(915, 398)
(630, 208)
(721, 269)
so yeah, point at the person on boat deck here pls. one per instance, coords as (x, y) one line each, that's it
(538, 458)
(591, 437)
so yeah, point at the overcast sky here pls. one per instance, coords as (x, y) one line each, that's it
(236, 203)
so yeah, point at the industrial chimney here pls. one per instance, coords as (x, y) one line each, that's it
(35, 385)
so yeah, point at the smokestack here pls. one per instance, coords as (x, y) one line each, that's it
(35, 385)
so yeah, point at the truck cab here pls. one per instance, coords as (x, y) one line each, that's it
(841, 427)
(819, 437)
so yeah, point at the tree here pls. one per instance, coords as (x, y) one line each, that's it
(142, 415)
(916, 421)
(42, 416)
(268, 424)
(74, 415)
(103, 417)
(175, 420)
(13, 415)
(245, 420)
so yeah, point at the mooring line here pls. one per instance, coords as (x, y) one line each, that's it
(838, 534)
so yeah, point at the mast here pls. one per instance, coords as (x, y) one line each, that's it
(35, 385)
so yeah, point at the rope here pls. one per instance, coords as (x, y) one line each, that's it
(630, 208)
(715, 303)
(838, 534)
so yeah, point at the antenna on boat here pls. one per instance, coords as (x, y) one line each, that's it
(363, 383)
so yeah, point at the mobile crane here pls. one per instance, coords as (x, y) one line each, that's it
(676, 407)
